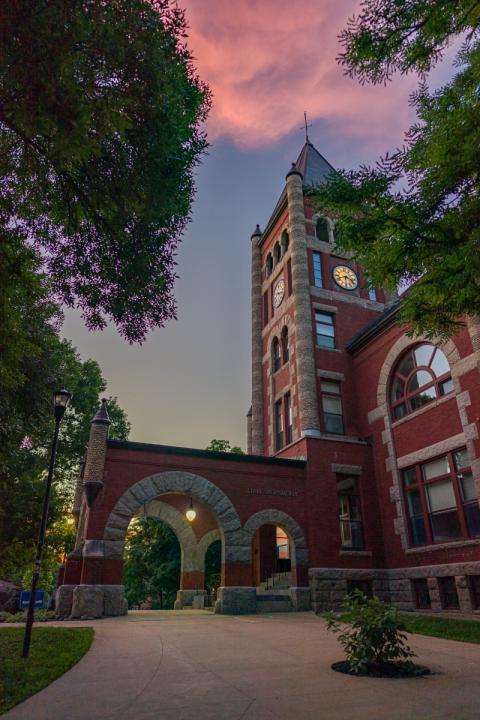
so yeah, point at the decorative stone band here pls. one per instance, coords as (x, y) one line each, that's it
(341, 469)
(447, 445)
(331, 375)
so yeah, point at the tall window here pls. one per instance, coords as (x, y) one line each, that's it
(276, 357)
(269, 265)
(285, 345)
(325, 329)
(422, 375)
(277, 253)
(351, 526)
(372, 294)
(332, 407)
(317, 270)
(289, 418)
(285, 241)
(278, 425)
(441, 501)
(321, 229)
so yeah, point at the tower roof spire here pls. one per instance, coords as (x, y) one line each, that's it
(306, 126)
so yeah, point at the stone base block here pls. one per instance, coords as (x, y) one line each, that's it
(187, 598)
(63, 601)
(114, 600)
(300, 597)
(237, 600)
(87, 601)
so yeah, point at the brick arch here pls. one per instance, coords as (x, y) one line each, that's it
(205, 542)
(235, 546)
(287, 523)
(177, 522)
(397, 349)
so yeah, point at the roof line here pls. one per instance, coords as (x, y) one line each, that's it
(196, 452)
(374, 328)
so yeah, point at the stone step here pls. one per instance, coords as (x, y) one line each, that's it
(273, 602)
(273, 606)
(269, 592)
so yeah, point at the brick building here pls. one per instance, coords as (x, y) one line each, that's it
(363, 464)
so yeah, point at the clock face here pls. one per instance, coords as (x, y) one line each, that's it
(278, 292)
(345, 277)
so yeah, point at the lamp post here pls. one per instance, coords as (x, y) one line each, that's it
(60, 402)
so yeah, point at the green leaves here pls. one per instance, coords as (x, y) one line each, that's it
(100, 133)
(152, 562)
(414, 220)
(374, 633)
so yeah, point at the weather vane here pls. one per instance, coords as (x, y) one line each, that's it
(306, 126)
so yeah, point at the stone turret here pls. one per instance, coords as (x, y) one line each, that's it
(307, 384)
(256, 445)
(96, 452)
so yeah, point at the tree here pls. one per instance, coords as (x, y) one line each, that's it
(27, 380)
(414, 219)
(100, 133)
(224, 446)
(152, 562)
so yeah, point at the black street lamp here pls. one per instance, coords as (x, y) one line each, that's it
(60, 402)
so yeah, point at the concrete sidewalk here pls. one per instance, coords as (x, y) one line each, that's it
(200, 666)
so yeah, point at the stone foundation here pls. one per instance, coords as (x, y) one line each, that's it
(329, 585)
(236, 600)
(190, 598)
(90, 601)
(300, 597)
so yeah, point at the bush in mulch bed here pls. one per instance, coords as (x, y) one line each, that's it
(374, 641)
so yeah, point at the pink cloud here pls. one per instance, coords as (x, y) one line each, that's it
(268, 60)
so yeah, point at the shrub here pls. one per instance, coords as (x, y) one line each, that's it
(21, 616)
(374, 634)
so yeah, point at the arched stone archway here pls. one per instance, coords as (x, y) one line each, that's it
(183, 531)
(287, 523)
(235, 544)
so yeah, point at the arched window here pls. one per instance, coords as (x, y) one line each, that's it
(276, 358)
(321, 229)
(422, 375)
(285, 241)
(285, 346)
(269, 264)
(277, 252)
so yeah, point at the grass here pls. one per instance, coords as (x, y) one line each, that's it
(442, 627)
(53, 651)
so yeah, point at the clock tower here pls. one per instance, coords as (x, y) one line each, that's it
(308, 301)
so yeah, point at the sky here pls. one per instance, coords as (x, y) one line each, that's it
(266, 61)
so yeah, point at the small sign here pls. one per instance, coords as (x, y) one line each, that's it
(40, 599)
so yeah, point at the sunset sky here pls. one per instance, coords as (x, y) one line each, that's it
(266, 62)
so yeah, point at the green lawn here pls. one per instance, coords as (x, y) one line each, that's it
(448, 628)
(53, 651)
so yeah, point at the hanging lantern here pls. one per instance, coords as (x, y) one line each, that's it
(191, 514)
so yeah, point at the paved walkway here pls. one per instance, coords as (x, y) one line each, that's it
(200, 666)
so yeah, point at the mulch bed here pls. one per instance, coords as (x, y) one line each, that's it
(384, 670)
